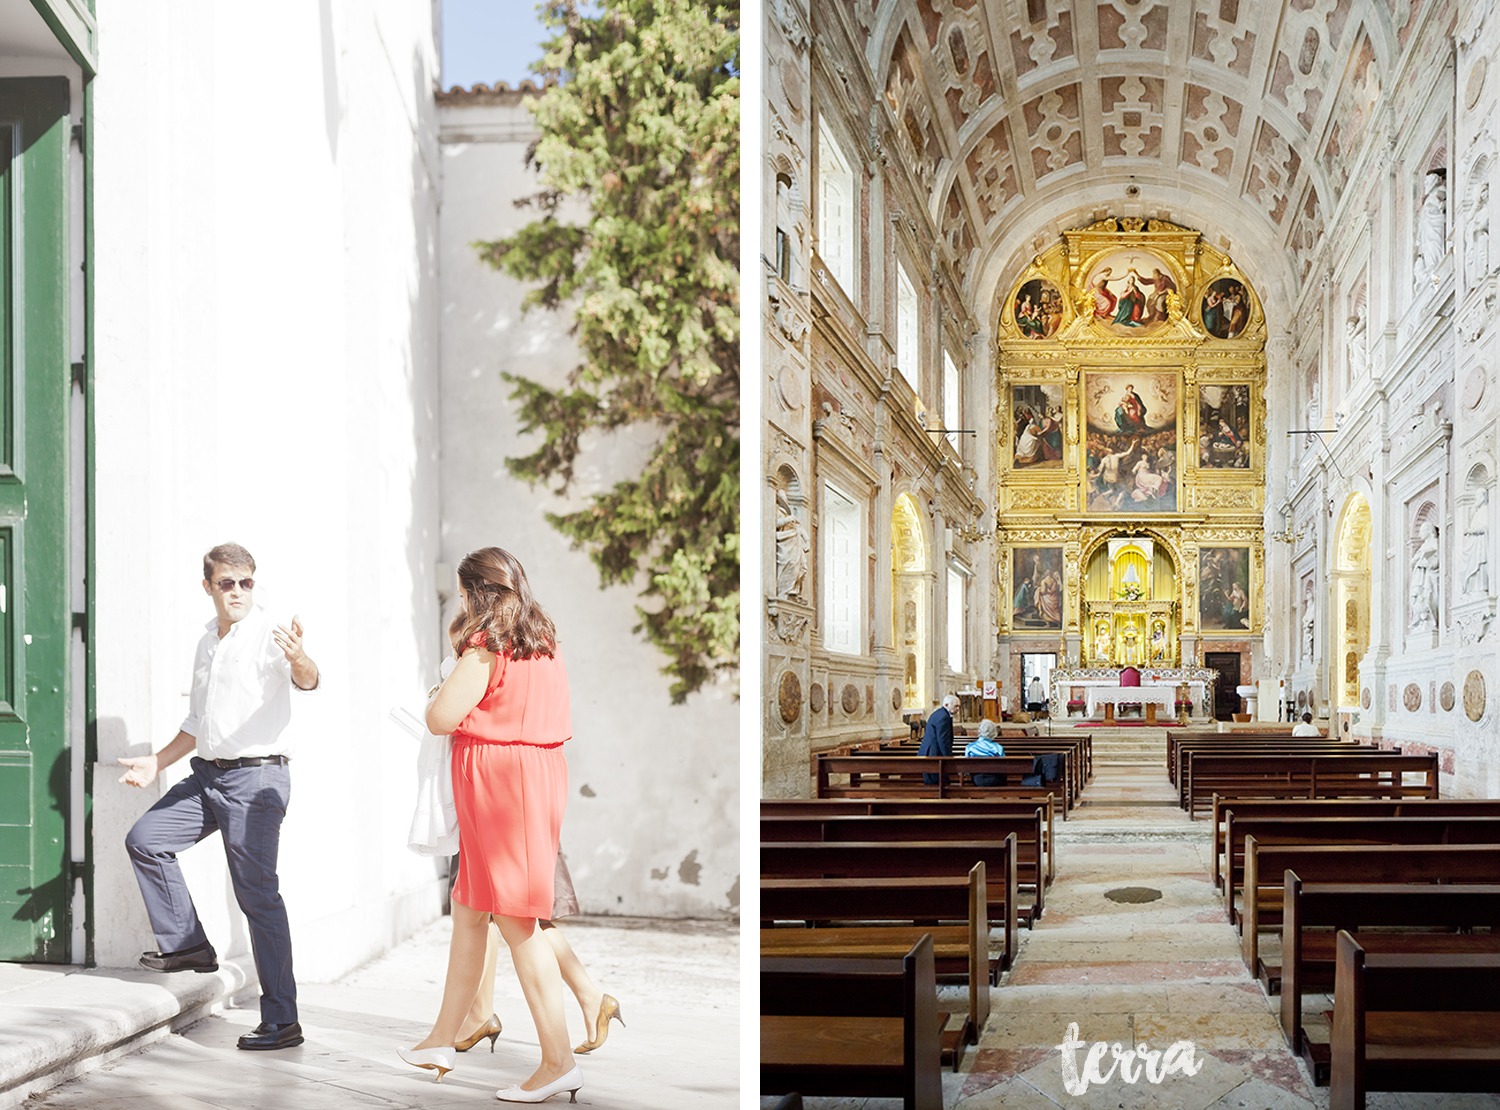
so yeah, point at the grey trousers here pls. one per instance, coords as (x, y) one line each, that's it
(247, 805)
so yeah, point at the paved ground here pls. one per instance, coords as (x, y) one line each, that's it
(677, 982)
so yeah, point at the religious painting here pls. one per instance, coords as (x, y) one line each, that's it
(1224, 589)
(1036, 583)
(1037, 426)
(1130, 290)
(1224, 427)
(1039, 309)
(1226, 308)
(1131, 427)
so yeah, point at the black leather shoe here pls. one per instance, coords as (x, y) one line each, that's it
(200, 957)
(267, 1036)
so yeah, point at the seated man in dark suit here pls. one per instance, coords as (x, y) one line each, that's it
(938, 739)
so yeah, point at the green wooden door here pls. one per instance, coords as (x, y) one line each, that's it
(35, 618)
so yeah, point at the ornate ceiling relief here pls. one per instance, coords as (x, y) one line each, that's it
(1210, 126)
(960, 238)
(1040, 43)
(1307, 233)
(1054, 124)
(1305, 50)
(906, 95)
(1132, 25)
(960, 49)
(1133, 115)
(1221, 37)
(1273, 172)
(992, 172)
(1357, 96)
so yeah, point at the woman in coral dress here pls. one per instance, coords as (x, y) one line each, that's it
(506, 704)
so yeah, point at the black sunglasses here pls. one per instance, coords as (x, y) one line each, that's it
(227, 584)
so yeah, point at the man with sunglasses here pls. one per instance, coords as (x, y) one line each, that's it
(243, 675)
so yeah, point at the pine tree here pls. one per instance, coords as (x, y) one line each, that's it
(643, 120)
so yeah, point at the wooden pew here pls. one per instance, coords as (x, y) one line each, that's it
(1307, 956)
(863, 1028)
(1412, 1021)
(1077, 758)
(1186, 749)
(909, 860)
(1030, 868)
(901, 776)
(1441, 829)
(1344, 807)
(1307, 776)
(1336, 863)
(1177, 737)
(960, 949)
(893, 807)
(1294, 745)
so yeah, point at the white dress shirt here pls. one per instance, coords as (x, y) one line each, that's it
(241, 700)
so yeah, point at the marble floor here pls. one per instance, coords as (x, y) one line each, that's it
(1157, 971)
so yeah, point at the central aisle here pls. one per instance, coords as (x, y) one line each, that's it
(1156, 971)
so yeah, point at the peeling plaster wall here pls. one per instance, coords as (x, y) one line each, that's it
(651, 826)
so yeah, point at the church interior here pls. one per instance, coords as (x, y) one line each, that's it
(1125, 374)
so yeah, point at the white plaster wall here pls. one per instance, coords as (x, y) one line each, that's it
(266, 195)
(652, 820)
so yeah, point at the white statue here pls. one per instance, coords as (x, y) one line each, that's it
(791, 549)
(1477, 558)
(1432, 226)
(1479, 238)
(1355, 341)
(1309, 640)
(1423, 594)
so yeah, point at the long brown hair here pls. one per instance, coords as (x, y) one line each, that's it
(499, 604)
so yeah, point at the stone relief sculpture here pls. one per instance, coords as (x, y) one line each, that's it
(1422, 597)
(791, 549)
(1479, 237)
(1477, 545)
(1432, 226)
(1355, 336)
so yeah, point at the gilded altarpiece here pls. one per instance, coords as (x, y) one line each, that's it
(1131, 384)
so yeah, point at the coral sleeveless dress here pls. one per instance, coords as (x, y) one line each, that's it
(510, 785)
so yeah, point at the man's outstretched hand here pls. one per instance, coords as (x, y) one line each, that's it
(141, 770)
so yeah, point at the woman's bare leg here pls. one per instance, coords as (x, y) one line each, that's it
(484, 999)
(577, 977)
(466, 970)
(541, 982)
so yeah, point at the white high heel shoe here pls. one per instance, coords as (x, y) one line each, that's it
(440, 1060)
(571, 1082)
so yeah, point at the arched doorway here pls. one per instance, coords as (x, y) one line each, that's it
(1351, 600)
(911, 591)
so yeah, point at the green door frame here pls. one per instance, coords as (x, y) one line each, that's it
(36, 623)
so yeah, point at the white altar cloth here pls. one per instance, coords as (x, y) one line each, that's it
(1131, 695)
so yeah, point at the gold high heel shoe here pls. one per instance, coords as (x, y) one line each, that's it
(490, 1029)
(609, 1007)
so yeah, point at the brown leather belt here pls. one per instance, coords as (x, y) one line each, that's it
(247, 761)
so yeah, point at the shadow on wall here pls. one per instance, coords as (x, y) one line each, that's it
(44, 909)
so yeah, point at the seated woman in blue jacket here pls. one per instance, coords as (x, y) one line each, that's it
(986, 744)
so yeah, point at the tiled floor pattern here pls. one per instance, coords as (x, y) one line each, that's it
(1154, 972)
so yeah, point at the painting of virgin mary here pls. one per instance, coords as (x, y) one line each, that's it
(1130, 289)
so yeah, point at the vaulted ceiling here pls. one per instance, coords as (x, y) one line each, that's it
(1243, 118)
